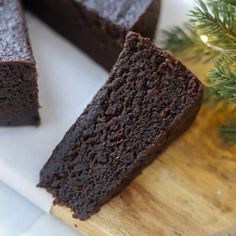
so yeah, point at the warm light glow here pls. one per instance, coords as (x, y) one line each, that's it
(204, 38)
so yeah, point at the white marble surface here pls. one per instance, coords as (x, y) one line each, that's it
(19, 217)
(17, 214)
(68, 80)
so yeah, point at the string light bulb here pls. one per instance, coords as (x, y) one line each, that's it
(204, 38)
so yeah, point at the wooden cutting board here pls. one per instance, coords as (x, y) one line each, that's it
(190, 190)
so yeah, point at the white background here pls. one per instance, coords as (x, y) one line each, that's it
(68, 79)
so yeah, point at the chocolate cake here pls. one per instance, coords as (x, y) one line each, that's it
(18, 78)
(98, 27)
(149, 100)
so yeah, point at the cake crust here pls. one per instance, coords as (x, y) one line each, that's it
(18, 77)
(149, 100)
(104, 24)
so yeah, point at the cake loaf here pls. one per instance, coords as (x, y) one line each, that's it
(149, 99)
(18, 78)
(98, 27)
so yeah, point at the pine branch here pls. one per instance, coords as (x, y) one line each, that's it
(179, 40)
(212, 98)
(233, 2)
(216, 20)
(222, 79)
(228, 133)
(211, 34)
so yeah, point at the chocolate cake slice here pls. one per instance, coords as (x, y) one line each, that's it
(18, 78)
(98, 27)
(149, 100)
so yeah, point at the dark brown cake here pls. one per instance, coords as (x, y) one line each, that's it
(148, 101)
(18, 79)
(98, 27)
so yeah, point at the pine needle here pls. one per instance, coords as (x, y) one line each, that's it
(216, 20)
(210, 34)
(222, 79)
(228, 133)
(179, 40)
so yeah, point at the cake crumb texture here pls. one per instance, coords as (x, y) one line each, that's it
(149, 99)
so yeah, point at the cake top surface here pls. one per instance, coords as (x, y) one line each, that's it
(14, 43)
(142, 102)
(122, 12)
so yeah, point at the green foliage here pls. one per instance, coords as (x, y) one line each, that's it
(228, 133)
(233, 2)
(216, 20)
(212, 99)
(178, 40)
(222, 78)
(210, 34)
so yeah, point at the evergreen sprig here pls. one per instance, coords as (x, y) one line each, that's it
(210, 34)
(228, 133)
(233, 2)
(222, 78)
(216, 20)
(178, 40)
